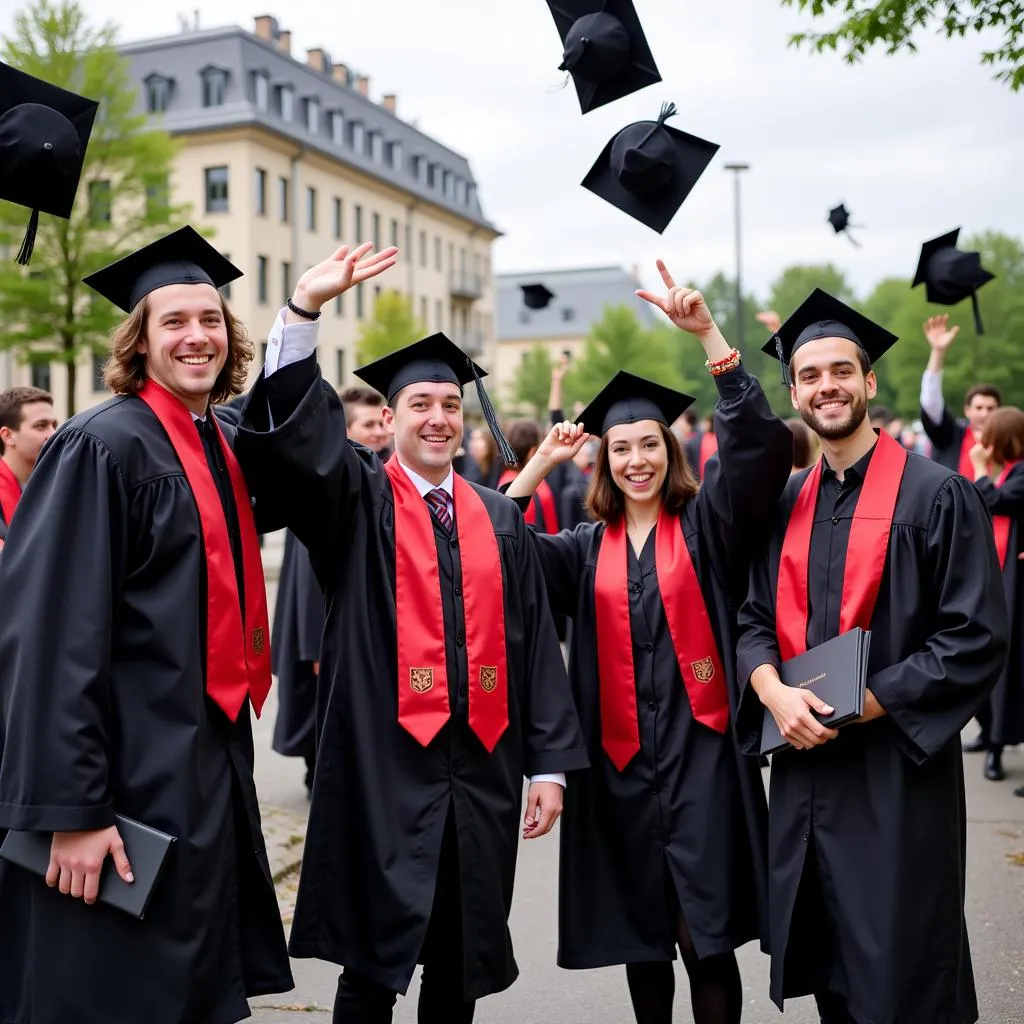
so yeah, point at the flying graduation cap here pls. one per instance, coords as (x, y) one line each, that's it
(605, 50)
(44, 132)
(839, 218)
(648, 169)
(822, 315)
(951, 275)
(439, 360)
(627, 398)
(536, 296)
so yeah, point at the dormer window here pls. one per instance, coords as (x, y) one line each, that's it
(286, 102)
(376, 147)
(357, 136)
(312, 115)
(395, 155)
(261, 91)
(215, 85)
(337, 127)
(158, 92)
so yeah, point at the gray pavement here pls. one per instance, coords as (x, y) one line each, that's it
(995, 912)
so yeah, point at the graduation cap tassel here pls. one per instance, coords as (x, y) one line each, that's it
(667, 110)
(29, 241)
(977, 314)
(783, 365)
(506, 451)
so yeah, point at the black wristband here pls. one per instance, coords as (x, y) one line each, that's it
(304, 313)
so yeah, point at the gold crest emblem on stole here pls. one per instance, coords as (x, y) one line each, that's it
(488, 677)
(421, 679)
(258, 639)
(703, 670)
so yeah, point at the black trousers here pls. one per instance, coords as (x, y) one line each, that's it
(362, 1001)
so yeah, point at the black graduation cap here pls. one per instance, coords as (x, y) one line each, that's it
(950, 275)
(44, 132)
(839, 218)
(648, 169)
(606, 51)
(536, 296)
(182, 257)
(823, 316)
(437, 359)
(627, 398)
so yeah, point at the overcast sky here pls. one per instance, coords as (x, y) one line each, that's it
(914, 145)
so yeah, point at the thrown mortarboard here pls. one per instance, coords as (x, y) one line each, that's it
(536, 296)
(951, 275)
(439, 360)
(627, 398)
(605, 49)
(823, 316)
(839, 218)
(182, 257)
(648, 169)
(44, 132)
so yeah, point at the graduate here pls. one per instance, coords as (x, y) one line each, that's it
(128, 669)
(867, 828)
(998, 462)
(441, 681)
(27, 421)
(664, 840)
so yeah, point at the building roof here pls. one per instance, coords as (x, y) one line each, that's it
(240, 57)
(579, 302)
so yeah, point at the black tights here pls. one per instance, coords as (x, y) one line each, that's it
(716, 994)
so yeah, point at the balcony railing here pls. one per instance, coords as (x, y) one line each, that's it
(466, 285)
(471, 342)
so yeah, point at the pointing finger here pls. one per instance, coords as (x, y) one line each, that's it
(655, 300)
(665, 275)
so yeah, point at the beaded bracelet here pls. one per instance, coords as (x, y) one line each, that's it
(720, 366)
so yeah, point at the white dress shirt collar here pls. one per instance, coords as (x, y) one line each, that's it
(425, 486)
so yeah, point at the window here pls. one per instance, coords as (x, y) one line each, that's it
(262, 268)
(568, 313)
(340, 365)
(432, 174)
(286, 102)
(261, 91)
(394, 231)
(216, 189)
(284, 200)
(470, 195)
(311, 208)
(338, 232)
(358, 229)
(419, 168)
(158, 93)
(99, 202)
(158, 198)
(259, 185)
(437, 253)
(357, 136)
(451, 256)
(286, 280)
(376, 231)
(423, 310)
(98, 362)
(313, 116)
(337, 127)
(360, 310)
(339, 304)
(377, 147)
(423, 248)
(447, 185)
(215, 84)
(41, 376)
(439, 314)
(225, 289)
(395, 155)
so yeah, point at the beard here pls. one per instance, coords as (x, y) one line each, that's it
(837, 430)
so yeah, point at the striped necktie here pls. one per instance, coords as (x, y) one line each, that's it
(440, 502)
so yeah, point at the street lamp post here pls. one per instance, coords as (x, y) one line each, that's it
(737, 170)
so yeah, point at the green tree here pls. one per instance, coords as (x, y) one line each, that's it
(48, 315)
(894, 24)
(531, 384)
(794, 284)
(393, 326)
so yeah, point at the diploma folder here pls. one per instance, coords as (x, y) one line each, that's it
(836, 672)
(145, 847)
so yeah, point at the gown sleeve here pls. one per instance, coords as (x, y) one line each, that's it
(942, 432)
(1007, 500)
(932, 694)
(65, 560)
(553, 739)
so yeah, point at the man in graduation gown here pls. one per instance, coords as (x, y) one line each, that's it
(128, 667)
(867, 828)
(442, 683)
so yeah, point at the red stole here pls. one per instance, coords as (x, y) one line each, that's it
(708, 447)
(237, 653)
(865, 554)
(544, 495)
(1001, 524)
(965, 467)
(422, 661)
(689, 626)
(10, 492)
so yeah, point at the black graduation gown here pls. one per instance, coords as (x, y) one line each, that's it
(882, 806)
(380, 799)
(102, 685)
(688, 813)
(947, 438)
(571, 498)
(294, 648)
(1007, 700)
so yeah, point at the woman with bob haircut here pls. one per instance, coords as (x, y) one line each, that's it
(999, 476)
(663, 840)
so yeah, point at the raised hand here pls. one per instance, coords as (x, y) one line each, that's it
(685, 307)
(563, 443)
(339, 272)
(770, 319)
(938, 332)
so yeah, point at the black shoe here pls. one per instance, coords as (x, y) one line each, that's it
(1019, 791)
(994, 767)
(977, 745)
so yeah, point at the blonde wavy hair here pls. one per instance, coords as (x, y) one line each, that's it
(125, 370)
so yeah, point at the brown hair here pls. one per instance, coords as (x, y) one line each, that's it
(606, 503)
(125, 370)
(803, 443)
(523, 435)
(492, 449)
(986, 391)
(1004, 433)
(356, 395)
(13, 400)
